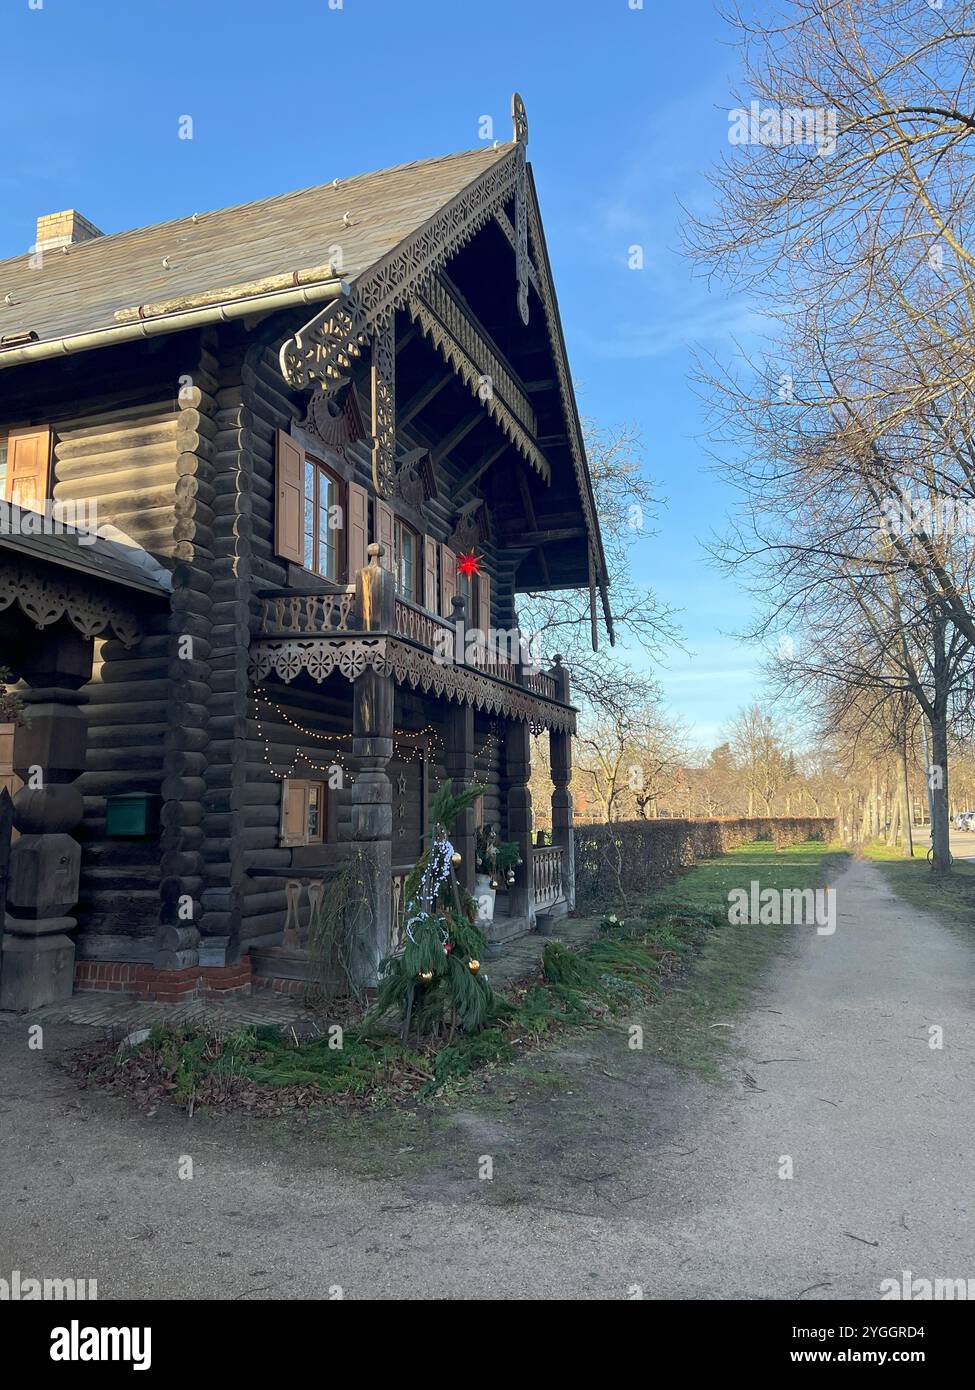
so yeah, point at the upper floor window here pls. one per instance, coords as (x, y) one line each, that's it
(25, 466)
(322, 520)
(405, 565)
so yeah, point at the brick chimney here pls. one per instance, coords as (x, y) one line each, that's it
(63, 229)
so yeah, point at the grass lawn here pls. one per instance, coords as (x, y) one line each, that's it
(693, 1025)
(673, 965)
(949, 896)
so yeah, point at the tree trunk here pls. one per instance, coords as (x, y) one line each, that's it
(906, 802)
(938, 775)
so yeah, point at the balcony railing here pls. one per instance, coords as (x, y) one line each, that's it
(547, 875)
(371, 605)
(311, 614)
(420, 625)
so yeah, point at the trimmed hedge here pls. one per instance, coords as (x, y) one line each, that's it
(629, 858)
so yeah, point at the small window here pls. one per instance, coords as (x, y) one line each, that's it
(321, 517)
(304, 812)
(467, 589)
(405, 556)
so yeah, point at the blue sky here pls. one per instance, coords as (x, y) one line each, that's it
(627, 108)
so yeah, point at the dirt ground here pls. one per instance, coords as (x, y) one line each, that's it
(613, 1175)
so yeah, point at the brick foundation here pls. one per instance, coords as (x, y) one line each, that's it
(165, 986)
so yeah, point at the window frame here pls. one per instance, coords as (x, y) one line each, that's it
(399, 526)
(340, 546)
(307, 785)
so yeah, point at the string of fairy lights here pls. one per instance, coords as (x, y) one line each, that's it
(425, 743)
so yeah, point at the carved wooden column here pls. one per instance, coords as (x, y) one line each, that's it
(45, 864)
(517, 764)
(560, 755)
(372, 748)
(459, 763)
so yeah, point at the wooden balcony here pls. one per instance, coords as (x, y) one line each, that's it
(347, 628)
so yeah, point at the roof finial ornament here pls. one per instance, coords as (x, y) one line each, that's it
(519, 117)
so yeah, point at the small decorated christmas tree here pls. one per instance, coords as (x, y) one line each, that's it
(435, 981)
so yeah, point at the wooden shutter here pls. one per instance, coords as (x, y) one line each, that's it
(294, 811)
(382, 526)
(483, 583)
(357, 530)
(448, 580)
(289, 499)
(29, 466)
(430, 595)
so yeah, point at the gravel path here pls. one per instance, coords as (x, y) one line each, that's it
(613, 1177)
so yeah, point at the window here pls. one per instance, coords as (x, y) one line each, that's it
(304, 812)
(467, 589)
(405, 548)
(3, 468)
(321, 511)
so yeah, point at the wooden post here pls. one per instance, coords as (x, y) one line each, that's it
(560, 756)
(6, 827)
(372, 813)
(459, 764)
(45, 864)
(517, 753)
(375, 594)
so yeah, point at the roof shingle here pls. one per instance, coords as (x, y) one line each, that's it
(83, 289)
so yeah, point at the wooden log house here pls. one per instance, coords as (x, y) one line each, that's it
(295, 417)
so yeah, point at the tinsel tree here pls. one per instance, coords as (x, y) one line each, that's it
(435, 981)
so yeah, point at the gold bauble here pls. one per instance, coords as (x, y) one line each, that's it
(495, 884)
(473, 966)
(456, 858)
(425, 975)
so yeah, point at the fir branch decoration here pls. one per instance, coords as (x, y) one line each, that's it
(435, 981)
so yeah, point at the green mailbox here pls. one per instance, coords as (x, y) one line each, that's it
(131, 815)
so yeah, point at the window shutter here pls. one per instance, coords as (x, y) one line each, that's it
(382, 525)
(448, 580)
(430, 575)
(483, 582)
(289, 495)
(357, 530)
(29, 467)
(294, 811)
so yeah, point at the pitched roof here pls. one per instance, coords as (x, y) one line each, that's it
(83, 289)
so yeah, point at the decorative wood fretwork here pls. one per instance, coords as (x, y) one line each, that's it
(470, 527)
(451, 331)
(522, 261)
(335, 417)
(45, 600)
(519, 118)
(324, 349)
(416, 481)
(408, 665)
(384, 408)
(576, 444)
(504, 222)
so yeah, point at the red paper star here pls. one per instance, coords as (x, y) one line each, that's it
(469, 564)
